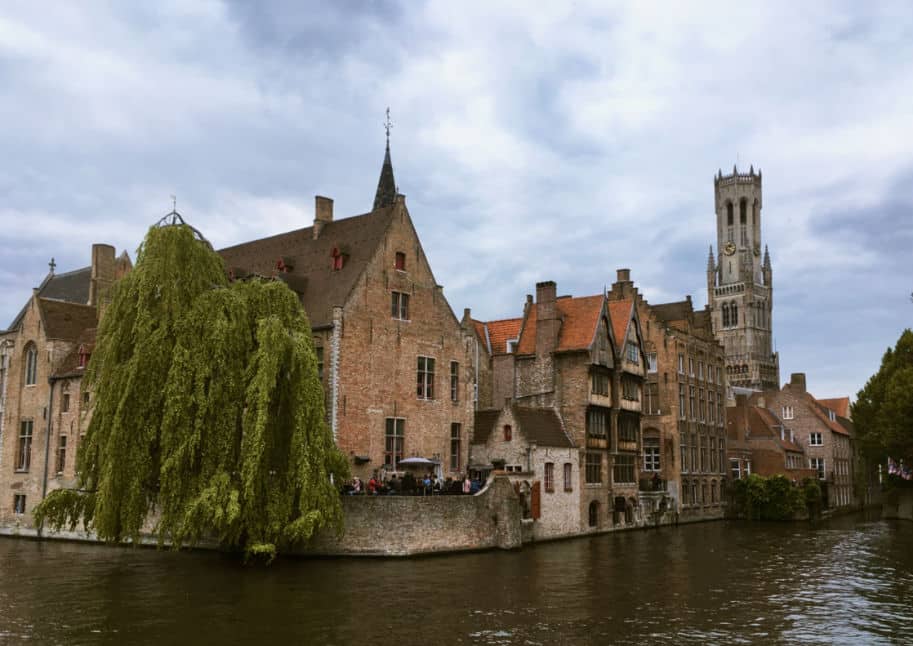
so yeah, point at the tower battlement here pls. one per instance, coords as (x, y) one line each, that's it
(751, 177)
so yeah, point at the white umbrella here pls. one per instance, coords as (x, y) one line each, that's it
(416, 461)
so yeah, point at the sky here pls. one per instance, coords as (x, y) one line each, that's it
(556, 142)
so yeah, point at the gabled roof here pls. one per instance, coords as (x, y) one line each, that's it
(620, 312)
(69, 367)
(65, 321)
(840, 405)
(540, 426)
(675, 311)
(579, 318)
(820, 412)
(772, 424)
(71, 287)
(318, 284)
(496, 334)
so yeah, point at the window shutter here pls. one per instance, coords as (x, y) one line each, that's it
(536, 500)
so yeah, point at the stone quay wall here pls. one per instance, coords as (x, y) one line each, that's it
(898, 505)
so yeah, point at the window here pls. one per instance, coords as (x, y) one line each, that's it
(631, 353)
(319, 352)
(651, 398)
(735, 468)
(19, 504)
(704, 497)
(399, 306)
(31, 365)
(719, 408)
(623, 470)
(61, 454)
(593, 467)
(600, 383)
(593, 514)
(681, 364)
(690, 366)
(338, 259)
(831, 415)
(508, 433)
(550, 477)
(393, 441)
(400, 262)
(455, 442)
(568, 482)
(725, 314)
(700, 370)
(729, 218)
(683, 443)
(681, 401)
(743, 210)
(454, 381)
(733, 315)
(65, 403)
(710, 406)
(651, 454)
(651, 362)
(597, 422)
(721, 450)
(705, 463)
(84, 357)
(815, 439)
(818, 465)
(629, 389)
(703, 405)
(425, 375)
(628, 425)
(693, 409)
(695, 465)
(787, 412)
(24, 450)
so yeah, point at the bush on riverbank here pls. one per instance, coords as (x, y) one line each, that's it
(774, 498)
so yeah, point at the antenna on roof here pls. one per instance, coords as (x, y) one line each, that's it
(52, 265)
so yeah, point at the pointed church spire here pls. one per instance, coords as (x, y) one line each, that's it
(766, 258)
(386, 185)
(710, 264)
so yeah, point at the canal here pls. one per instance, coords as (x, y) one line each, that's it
(848, 580)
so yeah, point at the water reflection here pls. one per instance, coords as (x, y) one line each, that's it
(847, 581)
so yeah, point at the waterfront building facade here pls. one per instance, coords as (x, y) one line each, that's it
(391, 354)
(740, 284)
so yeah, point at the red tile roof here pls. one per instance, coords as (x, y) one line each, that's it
(579, 318)
(620, 313)
(820, 412)
(500, 332)
(840, 405)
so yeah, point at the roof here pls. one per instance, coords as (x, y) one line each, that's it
(66, 321)
(541, 426)
(840, 405)
(71, 287)
(675, 311)
(319, 286)
(820, 412)
(69, 367)
(496, 334)
(620, 313)
(579, 318)
(772, 423)
(386, 184)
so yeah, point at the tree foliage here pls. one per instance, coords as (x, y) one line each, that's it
(883, 412)
(773, 498)
(208, 415)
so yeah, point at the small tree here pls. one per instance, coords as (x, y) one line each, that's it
(208, 410)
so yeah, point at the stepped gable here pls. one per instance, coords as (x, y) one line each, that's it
(66, 321)
(311, 273)
(579, 318)
(540, 426)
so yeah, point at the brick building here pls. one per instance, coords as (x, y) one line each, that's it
(392, 356)
(583, 359)
(825, 437)
(759, 442)
(684, 397)
(45, 409)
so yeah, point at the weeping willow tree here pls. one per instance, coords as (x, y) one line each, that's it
(208, 414)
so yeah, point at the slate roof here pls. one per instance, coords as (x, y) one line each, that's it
(71, 286)
(496, 334)
(312, 276)
(541, 426)
(840, 405)
(66, 321)
(579, 318)
(675, 311)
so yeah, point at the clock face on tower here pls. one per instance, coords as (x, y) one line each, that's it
(729, 249)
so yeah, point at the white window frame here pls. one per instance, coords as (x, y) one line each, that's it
(816, 435)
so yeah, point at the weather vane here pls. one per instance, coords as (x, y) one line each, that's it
(387, 125)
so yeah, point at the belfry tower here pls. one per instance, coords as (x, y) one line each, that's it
(740, 283)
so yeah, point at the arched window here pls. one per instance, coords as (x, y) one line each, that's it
(31, 365)
(733, 315)
(743, 210)
(729, 221)
(725, 314)
(594, 514)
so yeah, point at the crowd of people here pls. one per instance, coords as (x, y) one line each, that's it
(411, 485)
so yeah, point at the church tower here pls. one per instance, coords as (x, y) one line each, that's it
(740, 283)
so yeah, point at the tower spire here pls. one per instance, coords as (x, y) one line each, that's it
(386, 185)
(710, 263)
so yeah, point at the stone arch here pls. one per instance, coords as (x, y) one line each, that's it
(729, 213)
(30, 364)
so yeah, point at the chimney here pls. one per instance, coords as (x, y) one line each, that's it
(323, 213)
(102, 277)
(623, 275)
(547, 323)
(797, 381)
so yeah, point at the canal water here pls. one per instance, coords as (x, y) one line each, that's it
(844, 581)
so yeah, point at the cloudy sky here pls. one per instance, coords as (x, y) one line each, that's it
(560, 142)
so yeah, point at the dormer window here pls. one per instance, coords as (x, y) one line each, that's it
(84, 356)
(400, 262)
(339, 258)
(508, 433)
